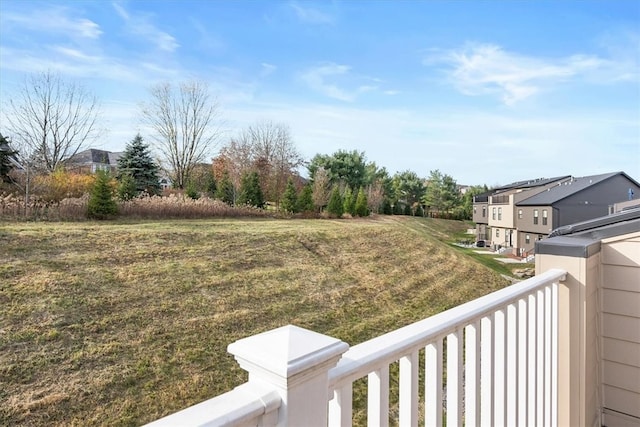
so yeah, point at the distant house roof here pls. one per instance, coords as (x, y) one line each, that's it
(538, 182)
(94, 155)
(568, 188)
(13, 159)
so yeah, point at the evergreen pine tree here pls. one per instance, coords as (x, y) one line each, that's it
(136, 162)
(101, 204)
(407, 210)
(352, 203)
(250, 191)
(210, 185)
(335, 206)
(397, 208)
(386, 207)
(419, 211)
(127, 187)
(289, 201)
(305, 199)
(225, 190)
(361, 208)
(191, 191)
(5, 163)
(346, 200)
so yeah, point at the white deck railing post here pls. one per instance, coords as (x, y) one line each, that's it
(295, 362)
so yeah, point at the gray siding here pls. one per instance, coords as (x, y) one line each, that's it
(594, 201)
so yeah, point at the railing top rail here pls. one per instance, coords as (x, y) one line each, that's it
(369, 355)
(237, 407)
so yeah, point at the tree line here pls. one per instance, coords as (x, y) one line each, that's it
(50, 120)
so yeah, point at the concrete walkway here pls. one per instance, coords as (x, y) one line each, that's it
(501, 259)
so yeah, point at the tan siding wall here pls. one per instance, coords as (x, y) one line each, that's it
(579, 371)
(592, 367)
(621, 324)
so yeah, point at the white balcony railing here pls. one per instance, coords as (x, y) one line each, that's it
(491, 361)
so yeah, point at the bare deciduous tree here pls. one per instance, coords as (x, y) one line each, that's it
(375, 196)
(321, 188)
(273, 142)
(185, 122)
(268, 148)
(239, 155)
(51, 119)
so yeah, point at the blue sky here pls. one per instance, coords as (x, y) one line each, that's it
(487, 92)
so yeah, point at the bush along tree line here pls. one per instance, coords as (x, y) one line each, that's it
(257, 168)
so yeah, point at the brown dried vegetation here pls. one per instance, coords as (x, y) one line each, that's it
(121, 323)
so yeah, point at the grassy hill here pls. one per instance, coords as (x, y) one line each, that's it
(122, 323)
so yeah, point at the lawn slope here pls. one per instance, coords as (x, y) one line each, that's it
(122, 323)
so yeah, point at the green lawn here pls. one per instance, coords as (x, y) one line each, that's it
(120, 323)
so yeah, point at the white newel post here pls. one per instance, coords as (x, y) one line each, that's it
(295, 362)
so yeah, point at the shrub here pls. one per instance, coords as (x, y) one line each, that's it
(101, 204)
(250, 191)
(61, 184)
(361, 204)
(225, 190)
(289, 202)
(191, 191)
(335, 206)
(386, 207)
(127, 187)
(305, 199)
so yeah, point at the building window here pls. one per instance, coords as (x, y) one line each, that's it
(535, 216)
(499, 214)
(544, 217)
(497, 232)
(527, 239)
(484, 212)
(475, 210)
(519, 213)
(493, 213)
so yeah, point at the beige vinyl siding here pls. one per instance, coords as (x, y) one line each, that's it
(620, 340)
(592, 369)
(579, 369)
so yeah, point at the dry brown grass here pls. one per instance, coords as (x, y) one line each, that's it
(173, 206)
(122, 323)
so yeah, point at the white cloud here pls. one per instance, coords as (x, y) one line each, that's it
(311, 15)
(55, 20)
(77, 63)
(141, 26)
(76, 54)
(317, 77)
(267, 69)
(480, 69)
(339, 82)
(207, 41)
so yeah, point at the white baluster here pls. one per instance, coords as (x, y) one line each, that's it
(433, 384)
(378, 398)
(409, 390)
(472, 375)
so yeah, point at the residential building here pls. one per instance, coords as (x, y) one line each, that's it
(501, 210)
(567, 202)
(93, 160)
(480, 215)
(13, 159)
